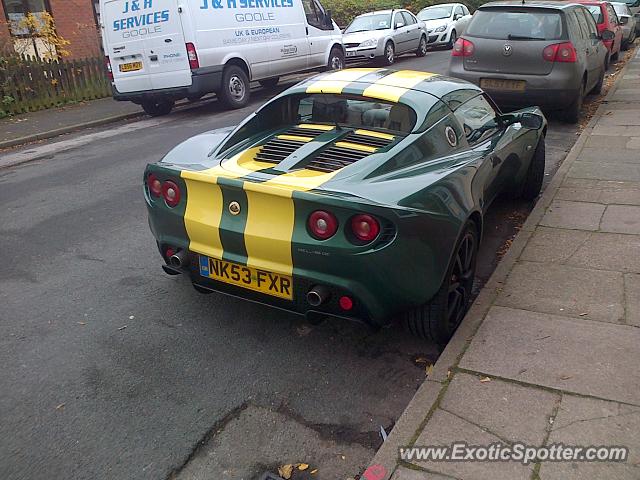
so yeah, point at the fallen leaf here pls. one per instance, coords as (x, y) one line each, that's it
(285, 471)
(122, 327)
(583, 314)
(421, 360)
(485, 380)
(565, 377)
(303, 466)
(342, 457)
(82, 323)
(448, 373)
(429, 370)
(131, 317)
(314, 471)
(60, 407)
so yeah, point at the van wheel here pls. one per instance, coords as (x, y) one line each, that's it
(422, 48)
(269, 82)
(336, 59)
(438, 319)
(157, 108)
(235, 91)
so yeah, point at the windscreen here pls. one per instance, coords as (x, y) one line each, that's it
(367, 23)
(435, 13)
(596, 12)
(621, 9)
(516, 25)
(356, 112)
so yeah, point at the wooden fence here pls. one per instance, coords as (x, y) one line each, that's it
(28, 84)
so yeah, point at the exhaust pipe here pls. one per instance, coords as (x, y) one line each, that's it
(318, 295)
(179, 259)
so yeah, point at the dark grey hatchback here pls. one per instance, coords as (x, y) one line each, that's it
(539, 53)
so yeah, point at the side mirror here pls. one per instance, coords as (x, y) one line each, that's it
(399, 25)
(608, 35)
(457, 16)
(624, 20)
(529, 120)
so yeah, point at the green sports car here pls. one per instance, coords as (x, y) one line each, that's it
(358, 194)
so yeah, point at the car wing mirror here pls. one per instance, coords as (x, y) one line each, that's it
(399, 25)
(457, 16)
(624, 20)
(529, 120)
(608, 35)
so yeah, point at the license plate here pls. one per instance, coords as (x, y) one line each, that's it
(262, 281)
(499, 84)
(130, 67)
(351, 54)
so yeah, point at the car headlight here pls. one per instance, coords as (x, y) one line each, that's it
(372, 42)
(441, 28)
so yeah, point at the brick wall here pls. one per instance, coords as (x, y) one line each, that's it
(5, 43)
(75, 22)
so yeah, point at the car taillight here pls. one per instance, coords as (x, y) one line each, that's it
(107, 66)
(560, 52)
(322, 224)
(155, 186)
(463, 48)
(171, 193)
(193, 56)
(365, 227)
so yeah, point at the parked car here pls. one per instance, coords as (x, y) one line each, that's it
(628, 23)
(160, 52)
(358, 194)
(384, 35)
(539, 53)
(634, 6)
(445, 22)
(607, 20)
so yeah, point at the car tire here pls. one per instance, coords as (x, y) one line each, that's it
(452, 39)
(235, 92)
(157, 108)
(389, 56)
(436, 321)
(597, 90)
(532, 183)
(422, 48)
(616, 56)
(336, 59)
(624, 46)
(572, 113)
(269, 82)
(607, 62)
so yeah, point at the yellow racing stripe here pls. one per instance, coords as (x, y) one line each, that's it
(295, 138)
(202, 216)
(336, 81)
(394, 86)
(312, 126)
(356, 146)
(370, 133)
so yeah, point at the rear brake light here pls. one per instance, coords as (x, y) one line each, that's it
(322, 225)
(155, 186)
(365, 227)
(463, 48)
(107, 66)
(193, 56)
(171, 193)
(560, 52)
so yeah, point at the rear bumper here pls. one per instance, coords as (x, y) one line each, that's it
(204, 80)
(554, 91)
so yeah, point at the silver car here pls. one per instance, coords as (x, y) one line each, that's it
(383, 35)
(634, 6)
(628, 23)
(445, 22)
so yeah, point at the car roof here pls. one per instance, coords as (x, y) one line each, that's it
(442, 5)
(379, 12)
(531, 4)
(419, 90)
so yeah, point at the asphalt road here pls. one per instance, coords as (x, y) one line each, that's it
(111, 369)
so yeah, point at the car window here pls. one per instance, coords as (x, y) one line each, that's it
(408, 18)
(613, 16)
(573, 25)
(315, 15)
(583, 22)
(591, 23)
(367, 23)
(354, 111)
(434, 13)
(477, 118)
(596, 12)
(459, 11)
(465, 10)
(514, 24)
(621, 9)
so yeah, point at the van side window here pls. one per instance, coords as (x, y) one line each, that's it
(315, 15)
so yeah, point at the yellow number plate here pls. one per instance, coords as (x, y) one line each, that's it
(499, 84)
(130, 67)
(247, 277)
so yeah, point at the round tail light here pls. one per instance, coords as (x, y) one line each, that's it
(322, 224)
(171, 193)
(365, 227)
(155, 186)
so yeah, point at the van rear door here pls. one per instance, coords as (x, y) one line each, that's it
(145, 42)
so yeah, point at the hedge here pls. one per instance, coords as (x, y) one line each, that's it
(343, 11)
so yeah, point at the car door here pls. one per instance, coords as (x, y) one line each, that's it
(319, 33)
(597, 49)
(580, 19)
(614, 26)
(399, 33)
(414, 32)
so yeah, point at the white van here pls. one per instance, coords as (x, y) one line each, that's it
(160, 51)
